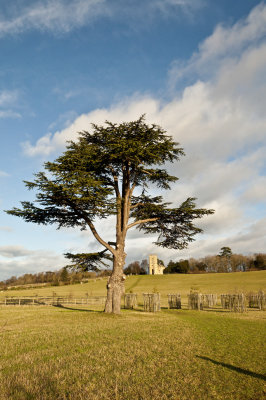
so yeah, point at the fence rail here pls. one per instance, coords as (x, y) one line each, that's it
(257, 300)
(234, 302)
(151, 301)
(174, 300)
(52, 300)
(130, 300)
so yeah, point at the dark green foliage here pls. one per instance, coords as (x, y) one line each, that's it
(97, 176)
(260, 261)
(225, 255)
(178, 267)
(88, 261)
(201, 266)
(225, 252)
(174, 225)
(64, 276)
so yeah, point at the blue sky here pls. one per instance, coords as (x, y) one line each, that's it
(196, 67)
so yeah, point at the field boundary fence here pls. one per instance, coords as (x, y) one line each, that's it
(237, 302)
(257, 300)
(130, 300)
(234, 302)
(151, 302)
(174, 301)
(52, 300)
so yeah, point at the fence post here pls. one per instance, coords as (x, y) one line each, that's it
(130, 300)
(195, 301)
(151, 302)
(174, 301)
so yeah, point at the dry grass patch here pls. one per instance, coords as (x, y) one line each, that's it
(56, 353)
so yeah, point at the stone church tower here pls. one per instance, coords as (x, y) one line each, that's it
(154, 267)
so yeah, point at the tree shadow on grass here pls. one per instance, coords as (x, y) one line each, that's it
(217, 310)
(76, 309)
(16, 388)
(233, 368)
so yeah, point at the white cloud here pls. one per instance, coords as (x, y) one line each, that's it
(61, 16)
(9, 114)
(225, 43)
(50, 143)
(8, 98)
(33, 262)
(3, 174)
(56, 15)
(220, 120)
(43, 146)
(256, 192)
(14, 251)
(168, 6)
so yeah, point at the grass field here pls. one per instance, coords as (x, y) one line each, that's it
(176, 283)
(76, 353)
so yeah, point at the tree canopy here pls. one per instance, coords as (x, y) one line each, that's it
(225, 252)
(110, 171)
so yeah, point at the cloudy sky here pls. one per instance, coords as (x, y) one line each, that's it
(196, 67)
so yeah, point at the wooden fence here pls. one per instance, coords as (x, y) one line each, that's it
(209, 300)
(53, 300)
(195, 301)
(257, 300)
(234, 302)
(130, 300)
(253, 300)
(262, 300)
(174, 301)
(151, 302)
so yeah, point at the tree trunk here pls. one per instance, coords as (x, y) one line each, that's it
(116, 285)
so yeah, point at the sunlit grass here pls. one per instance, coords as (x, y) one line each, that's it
(77, 353)
(57, 353)
(176, 283)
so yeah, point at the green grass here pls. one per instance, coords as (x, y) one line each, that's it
(49, 353)
(58, 353)
(176, 283)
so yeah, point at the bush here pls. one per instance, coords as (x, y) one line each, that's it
(178, 267)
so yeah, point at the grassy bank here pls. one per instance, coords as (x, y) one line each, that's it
(59, 353)
(76, 353)
(176, 283)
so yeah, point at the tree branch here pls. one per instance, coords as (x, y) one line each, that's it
(136, 205)
(142, 221)
(92, 227)
(98, 237)
(117, 191)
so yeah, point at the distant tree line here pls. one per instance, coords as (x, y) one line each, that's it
(139, 268)
(178, 267)
(54, 278)
(136, 268)
(228, 262)
(225, 261)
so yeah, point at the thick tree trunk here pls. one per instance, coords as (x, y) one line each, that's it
(116, 285)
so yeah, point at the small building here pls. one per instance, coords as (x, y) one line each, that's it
(154, 267)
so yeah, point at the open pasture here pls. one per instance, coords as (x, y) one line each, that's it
(77, 353)
(175, 283)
